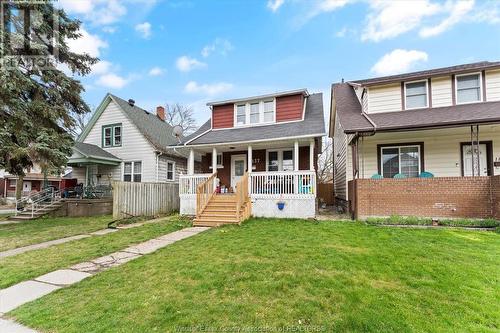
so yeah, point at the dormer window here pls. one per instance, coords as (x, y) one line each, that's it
(256, 112)
(416, 95)
(468, 88)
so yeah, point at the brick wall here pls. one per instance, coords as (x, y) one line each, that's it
(443, 197)
(495, 193)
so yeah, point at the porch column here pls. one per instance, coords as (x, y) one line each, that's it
(311, 155)
(191, 162)
(214, 160)
(249, 159)
(296, 156)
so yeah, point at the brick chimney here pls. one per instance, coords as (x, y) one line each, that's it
(160, 112)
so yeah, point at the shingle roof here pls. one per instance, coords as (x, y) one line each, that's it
(156, 131)
(313, 124)
(432, 72)
(351, 119)
(88, 149)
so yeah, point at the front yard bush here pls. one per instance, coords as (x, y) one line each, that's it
(414, 220)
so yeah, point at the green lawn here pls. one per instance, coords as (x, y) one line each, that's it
(330, 276)
(45, 229)
(35, 263)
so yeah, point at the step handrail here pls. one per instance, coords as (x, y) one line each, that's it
(205, 192)
(32, 197)
(242, 198)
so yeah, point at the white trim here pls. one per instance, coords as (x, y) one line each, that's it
(480, 87)
(420, 157)
(221, 165)
(257, 140)
(280, 158)
(252, 98)
(426, 95)
(256, 125)
(132, 171)
(248, 114)
(173, 171)
(304, 108)
(196, 137)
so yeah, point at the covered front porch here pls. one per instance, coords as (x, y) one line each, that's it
(279, 177)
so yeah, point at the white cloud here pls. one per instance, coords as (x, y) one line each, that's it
(488, 12)
(207, 89)
(398, 61)
(144, 29)
(388, 19)
(102, 67)
(274, 5)
(99, 12)
(220, 45)
(458, 11)
(186, 64)
(87, 43)
(111, 80)
(109, 29)
(156, 71)
(317, 8)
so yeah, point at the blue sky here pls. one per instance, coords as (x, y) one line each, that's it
(192, 52)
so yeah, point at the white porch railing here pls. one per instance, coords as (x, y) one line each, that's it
(277, 184)
(189, 183)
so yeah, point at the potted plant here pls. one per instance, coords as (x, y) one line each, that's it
(280, 203)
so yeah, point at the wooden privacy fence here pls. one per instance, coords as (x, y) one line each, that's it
(146, 199)
(325, 192)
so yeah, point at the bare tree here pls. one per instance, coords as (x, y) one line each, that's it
(325, 162)
(81, 120)
(181, 115)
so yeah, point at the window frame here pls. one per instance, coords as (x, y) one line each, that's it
(219, 166)
(426, 95)
(132, 171)
(247, 105)
(421, 156)
(173, 171)
(280, 158)
(112, 127)
(480, 77)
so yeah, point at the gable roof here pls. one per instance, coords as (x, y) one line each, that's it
(431, 72)
(313, 125)
(157, 132)
(350, 116)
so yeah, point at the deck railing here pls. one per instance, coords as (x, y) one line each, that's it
(243, 203)
(189, 183)
(204, 193)
(283, 183)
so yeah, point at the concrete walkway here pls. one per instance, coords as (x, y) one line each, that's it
(44, 245)
(27, 291)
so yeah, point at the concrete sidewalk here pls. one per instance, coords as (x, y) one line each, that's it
(27, 291)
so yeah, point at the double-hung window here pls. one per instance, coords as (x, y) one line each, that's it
(468, 88)
(112, 135)
(255, 112)
(416, 95)
(170, 171)
(132, 171)
(406, 160)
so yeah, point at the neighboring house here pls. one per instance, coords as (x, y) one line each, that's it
(443, 122)
(32, 182)
(265, 146)
(124, 142)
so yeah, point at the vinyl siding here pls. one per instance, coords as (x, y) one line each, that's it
(339, 161)
(386, 98)
(289, 108)
(493, 85)
(442, 155)
(134, 146)
(441, 91)
(223, 116)
(180, 168)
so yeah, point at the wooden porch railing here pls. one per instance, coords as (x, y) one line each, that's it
(204, 193)
(243, 203)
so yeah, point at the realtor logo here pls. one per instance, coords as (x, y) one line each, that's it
(29, 34)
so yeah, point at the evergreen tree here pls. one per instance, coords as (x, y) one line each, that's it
(38, 101)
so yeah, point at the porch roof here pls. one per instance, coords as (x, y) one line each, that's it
(86, 153)
(312, 126)
(352, 120)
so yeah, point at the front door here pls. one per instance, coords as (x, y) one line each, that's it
(237, 168)
(467, 160)
(26, 186)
